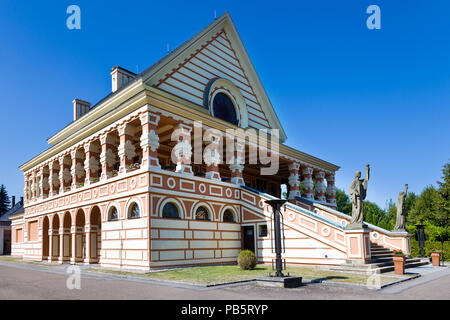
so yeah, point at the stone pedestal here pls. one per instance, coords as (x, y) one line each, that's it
(280, 282)
(358, 246)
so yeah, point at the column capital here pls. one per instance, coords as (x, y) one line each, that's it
(307, 170)
(149, 117)
(294, 166)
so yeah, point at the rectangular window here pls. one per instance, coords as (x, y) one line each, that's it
(33, 231)
(19, 235)
(262, 228)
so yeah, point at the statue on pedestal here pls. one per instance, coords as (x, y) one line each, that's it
(357, 192)
(401, 213)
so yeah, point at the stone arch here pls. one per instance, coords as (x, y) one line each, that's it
(95, 234)
(66, 236)
(55, 220)
(207, 206)
(232, 210)
(80, 238)
(45, 238)
(138, 202)
(175, 202)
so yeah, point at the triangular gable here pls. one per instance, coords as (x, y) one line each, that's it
(216, 52)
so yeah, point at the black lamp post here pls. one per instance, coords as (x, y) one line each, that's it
(276, 218)
(421, 239)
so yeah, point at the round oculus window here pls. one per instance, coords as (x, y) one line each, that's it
(223, 108)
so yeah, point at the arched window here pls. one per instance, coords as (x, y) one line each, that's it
(223, 108)
(202, 214)
(170, 211)
(228, 216)
(113, 215)
(134, 211)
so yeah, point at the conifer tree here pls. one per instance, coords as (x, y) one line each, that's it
(4, 200)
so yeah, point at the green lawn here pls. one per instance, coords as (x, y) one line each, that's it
(20, 260)
(221, 274)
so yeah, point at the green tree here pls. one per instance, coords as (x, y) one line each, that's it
(375, 215)
(425, 208)
(4, 200)
(444, 199)
(439, 234)
(343, 203)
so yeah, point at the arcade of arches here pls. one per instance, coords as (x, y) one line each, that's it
(72, 238)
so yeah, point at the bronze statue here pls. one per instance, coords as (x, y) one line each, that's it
(357, 192)
(401, 213)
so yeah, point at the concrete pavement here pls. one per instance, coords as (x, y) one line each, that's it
(27, 281)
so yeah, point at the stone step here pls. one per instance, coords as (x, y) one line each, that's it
(383, 255)
(378, 267)
(380, 250)
(407, 265)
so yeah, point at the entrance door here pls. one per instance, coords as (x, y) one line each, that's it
(249, 237)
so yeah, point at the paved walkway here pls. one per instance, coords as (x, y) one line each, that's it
(27, 281)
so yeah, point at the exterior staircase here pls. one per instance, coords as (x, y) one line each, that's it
(382, 261)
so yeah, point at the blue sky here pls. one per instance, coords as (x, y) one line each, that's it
(344, 93)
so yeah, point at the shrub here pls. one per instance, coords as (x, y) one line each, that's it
(247, 260)
(429, 245)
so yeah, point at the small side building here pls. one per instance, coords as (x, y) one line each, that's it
(5, 225)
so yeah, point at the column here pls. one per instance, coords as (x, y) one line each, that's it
(64, 175)
(91, 245)
(307, 183)
(33, 186)
(61, 257)
(46, 181)
(294, 181)
(149, 140)
(76, 233)
(39, 184)
(320, 185)
(53, 179)
(331, 189)
(91, 163)
(107, 156)
(126, 150)
(50, 245)
(26, 189)
(237, 163)
(211, 154)
(77, 169)
(182, 151)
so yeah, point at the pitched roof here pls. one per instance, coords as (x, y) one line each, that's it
(17, 209)
(165, 65)
(216, 51)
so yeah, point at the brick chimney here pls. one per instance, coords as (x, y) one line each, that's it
(80, 108)
(21, 201)
(120, 77)
(13, 201)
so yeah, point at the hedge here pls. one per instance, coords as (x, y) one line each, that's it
(430, 245)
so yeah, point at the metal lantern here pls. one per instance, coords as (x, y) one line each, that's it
(278, 237)
(421, 239)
